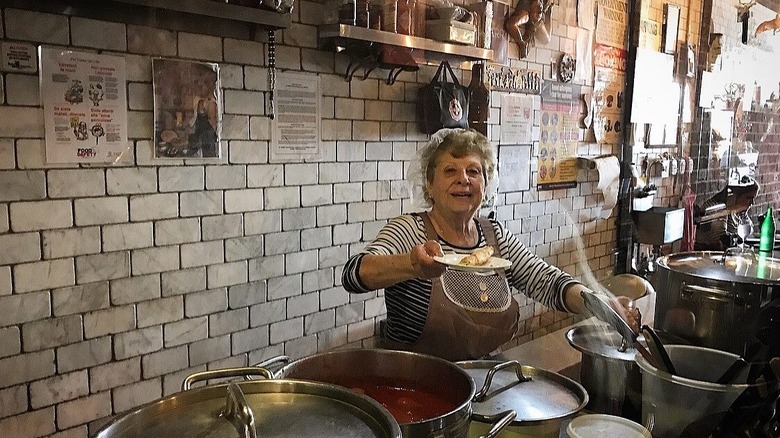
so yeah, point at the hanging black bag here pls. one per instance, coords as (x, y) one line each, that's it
(444, 103)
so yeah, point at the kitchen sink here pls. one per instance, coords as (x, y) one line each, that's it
(659, 225)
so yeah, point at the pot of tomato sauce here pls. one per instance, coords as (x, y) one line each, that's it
(428, 396)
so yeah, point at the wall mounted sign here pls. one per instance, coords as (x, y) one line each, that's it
(501, 78)
(559, 134)
(608, 88)
(517, 119)
(295, 131)
(84, 106)
(649, 35)
(187, 109)
(19, 57)
(612, 23)
(671, 26)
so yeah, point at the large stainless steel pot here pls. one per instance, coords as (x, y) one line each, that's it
(433, 379)
(715, 299)
(541, 399)
(261, 408)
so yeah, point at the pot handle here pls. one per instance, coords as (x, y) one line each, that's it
(238, 412)
(480, 396)
(226, 372)
(503, 420)
(277, 361)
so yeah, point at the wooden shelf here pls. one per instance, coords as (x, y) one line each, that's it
(197, 16)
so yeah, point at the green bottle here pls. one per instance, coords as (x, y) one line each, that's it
(767, 239)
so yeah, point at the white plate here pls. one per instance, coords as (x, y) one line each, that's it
(453, 261)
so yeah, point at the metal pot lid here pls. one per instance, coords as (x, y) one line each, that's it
(739, 268)
(536, 395)
(280, 408)
(601, 341)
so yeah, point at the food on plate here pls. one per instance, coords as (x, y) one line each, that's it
(478, 257)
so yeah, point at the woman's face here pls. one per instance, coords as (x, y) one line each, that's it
(458, 184)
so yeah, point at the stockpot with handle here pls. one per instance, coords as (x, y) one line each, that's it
(256, 408)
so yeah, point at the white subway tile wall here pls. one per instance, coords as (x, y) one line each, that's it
(117, 282)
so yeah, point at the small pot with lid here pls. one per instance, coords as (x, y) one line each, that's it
(542, 400)
(607, 371)
(258, 408)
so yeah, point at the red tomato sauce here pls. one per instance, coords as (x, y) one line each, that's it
(405, 404)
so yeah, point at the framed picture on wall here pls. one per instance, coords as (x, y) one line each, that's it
(671, 26)
(187, 109)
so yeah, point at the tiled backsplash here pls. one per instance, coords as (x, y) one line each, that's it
(117, 282)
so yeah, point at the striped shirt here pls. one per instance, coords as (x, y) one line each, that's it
(407, 301)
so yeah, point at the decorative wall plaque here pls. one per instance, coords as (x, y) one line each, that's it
(503, 78)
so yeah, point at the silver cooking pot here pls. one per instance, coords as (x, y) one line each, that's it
(260, 408)
(715, 299)
(429, 396)
(541, 399)
(608, 372)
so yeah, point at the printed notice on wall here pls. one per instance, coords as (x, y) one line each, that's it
(517, 119)
(612, 23)
(296, 125)
(84, 106)
(608, 89)
(559, 135)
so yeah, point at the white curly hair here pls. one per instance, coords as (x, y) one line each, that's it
(460, 142)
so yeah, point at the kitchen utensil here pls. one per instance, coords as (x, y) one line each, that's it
(657, 350)
(605, 426)
(673, 402)
(542, 400)
(384, 373)
(258, 408)
(725, 301)
(603, 311)
(733, 371)
(608, 373)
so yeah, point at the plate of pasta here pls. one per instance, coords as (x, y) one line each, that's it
(479, 260)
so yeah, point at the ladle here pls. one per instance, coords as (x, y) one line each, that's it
(739, 364)
(657, 350)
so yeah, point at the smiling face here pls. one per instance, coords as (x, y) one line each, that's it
(457, 185)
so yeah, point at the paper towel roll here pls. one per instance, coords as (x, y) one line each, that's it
(608, 168)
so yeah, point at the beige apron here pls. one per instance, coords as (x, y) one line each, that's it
(457, 333)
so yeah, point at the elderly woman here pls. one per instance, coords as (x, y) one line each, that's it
(451, 313)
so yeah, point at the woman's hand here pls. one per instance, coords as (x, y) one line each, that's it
(624, 306)
(422, 260)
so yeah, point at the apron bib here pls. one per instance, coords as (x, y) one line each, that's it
(470, 314)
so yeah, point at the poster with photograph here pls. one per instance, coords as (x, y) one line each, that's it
(187, 109)
(559, 135)
(84, 106)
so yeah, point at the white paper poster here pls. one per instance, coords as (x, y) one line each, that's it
(517, 118)
(84, 105)
(608, 93)
(584, 56)
(612, 23)
(296, 125)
